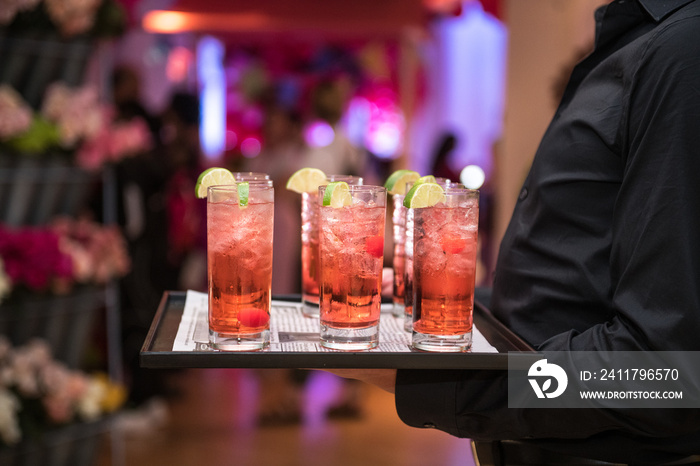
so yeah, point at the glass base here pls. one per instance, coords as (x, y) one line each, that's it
(408, 322)
(310, 309)
(350, 339)
(442, 343)
(398, 309)
(233, 342)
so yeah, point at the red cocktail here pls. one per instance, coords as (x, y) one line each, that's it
(239, 264)
(310, 267)
(351, 245)
(444, 269)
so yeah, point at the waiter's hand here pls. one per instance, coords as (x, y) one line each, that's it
(382, 378)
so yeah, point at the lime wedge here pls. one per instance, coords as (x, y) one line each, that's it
(426, 179)
(424, 195)
(396, 183)
(306, 180)
(243, 189)
(337, 195)
(212, 177)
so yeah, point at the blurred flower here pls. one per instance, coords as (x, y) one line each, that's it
(98, 252)
(73, 16)
(30, 375)
(114, 395)
(69, 251)
(75, 120)
(15, 114)
(9, 422)
(114, 142)
(32, 257)
(99, 18)
(9, 8)
(76, 112)
(89, 406)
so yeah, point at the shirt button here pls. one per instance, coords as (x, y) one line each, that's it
(523, 194)
(429, 425)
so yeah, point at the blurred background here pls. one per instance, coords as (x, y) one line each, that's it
(109, 110)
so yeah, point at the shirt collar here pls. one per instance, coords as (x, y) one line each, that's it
(659, 9)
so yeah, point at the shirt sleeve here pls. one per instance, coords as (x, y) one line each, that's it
(655, 249)
(654, 266)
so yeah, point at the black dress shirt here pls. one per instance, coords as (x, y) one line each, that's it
(603, 249)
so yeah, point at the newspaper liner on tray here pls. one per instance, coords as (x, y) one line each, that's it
(291, 331)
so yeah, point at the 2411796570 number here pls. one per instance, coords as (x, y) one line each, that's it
(635, 374)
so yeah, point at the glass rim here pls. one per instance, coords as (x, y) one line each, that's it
(332, 178)
(255, 176)
(460, 189)
(444, 182)
(258, 185)
(360, 188)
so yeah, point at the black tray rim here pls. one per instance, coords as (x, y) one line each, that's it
(513, 351)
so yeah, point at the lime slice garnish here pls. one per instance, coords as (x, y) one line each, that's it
(396, 183)
(243, 190)
(306, 180)
(424, 195)
(426, 179)
(337, 194)
(212, 177)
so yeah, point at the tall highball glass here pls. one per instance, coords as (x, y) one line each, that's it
(351, 245)
(444, 270)
(239, 266)
(310, 269)
(405, 271)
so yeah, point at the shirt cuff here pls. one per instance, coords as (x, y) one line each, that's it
(427, 398)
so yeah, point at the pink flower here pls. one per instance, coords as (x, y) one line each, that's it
(98, 252)
(63, 390)
(92, 153)
(58, 408)
(76, 111)
(32, 257)
(15, 114)
(73, 16)
(55, 257)
(114, 142)
(9, 8)
(129, 138)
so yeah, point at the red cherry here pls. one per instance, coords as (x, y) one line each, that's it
(253, 317)
(374, 245)
(453, 244)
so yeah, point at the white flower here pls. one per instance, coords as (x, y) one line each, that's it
(9, 424)
(26, 365)
(89, 405)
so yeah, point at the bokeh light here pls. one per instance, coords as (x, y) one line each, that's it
(179, 60)
(318, 134)
(250, 147)
(210, 52)
(472, 176)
